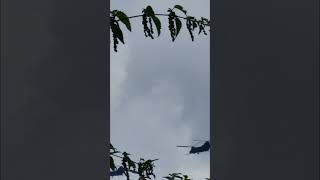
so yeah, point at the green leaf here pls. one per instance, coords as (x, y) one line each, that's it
(131, 164)
(117, 31)
(114, 152)
(111, 147)
(174, 174)
(112, 165)
(204, 19)
(181, 9)
(194, 24)
(113, 12)
(149, 11)
(157, 23)
(200, 29)
(124, 19)
(178, 24)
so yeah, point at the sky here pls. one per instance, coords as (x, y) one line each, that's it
(160, 92)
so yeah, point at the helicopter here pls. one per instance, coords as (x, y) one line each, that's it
(196, 150)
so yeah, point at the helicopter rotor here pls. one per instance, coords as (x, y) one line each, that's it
(184, 146)
(198, 140)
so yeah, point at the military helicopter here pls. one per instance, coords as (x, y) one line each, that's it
(196, 150)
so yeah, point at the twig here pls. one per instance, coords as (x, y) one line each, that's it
(130, 17)
(131, 160)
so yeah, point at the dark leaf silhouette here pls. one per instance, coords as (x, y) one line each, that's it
(194, 24)
(143, 168)
(181, 9)
(112, 165)
(168, 177)
(149, 17)
(149, 11)
(178, 26)
(157, 23)
(124, 19)
(117, 31)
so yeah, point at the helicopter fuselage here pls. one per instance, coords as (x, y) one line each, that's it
(203, 148)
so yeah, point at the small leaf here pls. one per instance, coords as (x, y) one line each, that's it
(124, 19)
(194, 24)
(200, 29)
(149, 11)
(157, 23)
(117, 31)
(181, 9)
(178, 25)
(113, 12)
(114, 152)
(111, 147)
(204, 19)
(112, 165)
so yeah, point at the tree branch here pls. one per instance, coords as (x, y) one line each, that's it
(140, 15)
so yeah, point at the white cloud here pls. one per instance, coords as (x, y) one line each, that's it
(118, 73)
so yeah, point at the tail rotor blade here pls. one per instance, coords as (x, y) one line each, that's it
(198, 140)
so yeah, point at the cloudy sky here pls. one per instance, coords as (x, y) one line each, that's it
(160, 92)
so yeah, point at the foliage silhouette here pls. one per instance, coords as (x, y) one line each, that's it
(143, 168)
(150, 19)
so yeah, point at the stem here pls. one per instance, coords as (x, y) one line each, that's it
(116, 155)
(131, 160)
(156, 15)
(130, 17)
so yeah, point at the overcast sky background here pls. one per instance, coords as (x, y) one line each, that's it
(160, 91)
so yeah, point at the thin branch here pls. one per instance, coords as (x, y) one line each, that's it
(156, 15)
(131, 160)
(130, 17)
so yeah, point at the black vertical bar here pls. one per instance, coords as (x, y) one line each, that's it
(108, 72)
(266, 85)
(54, 89)
(212, 93)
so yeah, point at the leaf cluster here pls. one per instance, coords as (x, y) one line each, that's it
(144, 168)
(150, 19)
(174, 176)
(115, 28)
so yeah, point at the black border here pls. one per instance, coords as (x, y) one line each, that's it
(281, 144)
(54, 89)
(265, 84)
